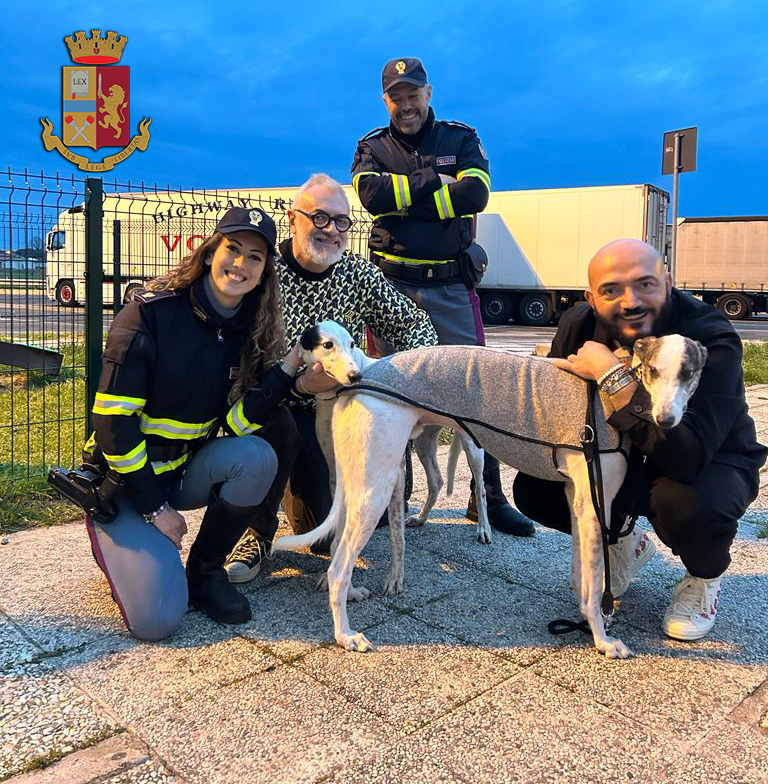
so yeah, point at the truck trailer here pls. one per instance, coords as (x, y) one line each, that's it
(724, 261)
(540, 242)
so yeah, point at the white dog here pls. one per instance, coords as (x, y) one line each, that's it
(329, 344)
(370, 434)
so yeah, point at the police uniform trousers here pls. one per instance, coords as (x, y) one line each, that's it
(697, 521)
(142, 564)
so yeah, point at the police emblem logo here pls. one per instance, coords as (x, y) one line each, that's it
(400, 67)
(95, 102)
(255, 217)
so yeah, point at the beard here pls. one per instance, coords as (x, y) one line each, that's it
(320, 252)
(618, 335)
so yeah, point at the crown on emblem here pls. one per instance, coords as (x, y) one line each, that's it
(96, 49)
(400, 66)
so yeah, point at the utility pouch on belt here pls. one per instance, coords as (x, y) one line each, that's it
(92, 491)
(473, 262)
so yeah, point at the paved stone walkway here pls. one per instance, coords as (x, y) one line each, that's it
(467, 685)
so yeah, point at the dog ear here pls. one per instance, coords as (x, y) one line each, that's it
(310, 338)
(703, 353)
(640, 349)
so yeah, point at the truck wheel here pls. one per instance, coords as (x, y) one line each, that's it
(735, 306)
(495, 308)
(65, 293)
(129, 289)
(536, 310)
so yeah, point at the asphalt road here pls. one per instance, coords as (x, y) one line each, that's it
(22, 313)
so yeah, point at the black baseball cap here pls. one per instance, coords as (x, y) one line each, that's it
(403, 69)
(254, 219)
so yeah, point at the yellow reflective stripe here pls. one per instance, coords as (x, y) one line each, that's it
(172, 428)
(133, 461)
(444, 204)
(238, 422)
(479, 173)
(357, 177)
(407, 189)
(90, 444)
(117, 405)
(398, 213)
(406, 260)
(160, 467)
(399, 190)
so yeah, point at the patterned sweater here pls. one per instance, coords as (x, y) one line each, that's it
(352, 292)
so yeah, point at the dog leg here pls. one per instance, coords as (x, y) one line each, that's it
(588, 543)
(426, 448)
(394, 581)
(476, 459)
(368, 460)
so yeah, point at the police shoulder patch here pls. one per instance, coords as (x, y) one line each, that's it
(375, 132)
(146, 297)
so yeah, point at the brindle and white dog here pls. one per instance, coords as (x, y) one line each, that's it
(369, 437)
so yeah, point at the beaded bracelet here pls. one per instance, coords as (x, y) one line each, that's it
(617, 366)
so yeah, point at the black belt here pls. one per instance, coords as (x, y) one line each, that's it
(418, 273)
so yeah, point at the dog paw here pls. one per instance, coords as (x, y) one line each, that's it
(614, 649)
(322, 582)
(357, 594)
(484, 537)
(355, 642)
(414, 521)
(393, 585)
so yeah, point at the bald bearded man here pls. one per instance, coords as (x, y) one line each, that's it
(693, 482)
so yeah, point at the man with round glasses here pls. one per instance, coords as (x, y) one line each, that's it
(321, 279)
(423, 179)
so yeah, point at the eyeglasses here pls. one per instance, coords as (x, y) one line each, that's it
(321, 219)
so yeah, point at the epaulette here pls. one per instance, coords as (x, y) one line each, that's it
(375, 132)
(459, 125)
(145, 296)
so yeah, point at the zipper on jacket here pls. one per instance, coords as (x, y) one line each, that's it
(219, 336)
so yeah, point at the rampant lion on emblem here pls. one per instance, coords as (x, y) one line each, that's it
(112, 105)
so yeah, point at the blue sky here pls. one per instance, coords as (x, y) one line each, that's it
(562, 93)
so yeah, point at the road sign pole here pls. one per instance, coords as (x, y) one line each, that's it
(675, 176)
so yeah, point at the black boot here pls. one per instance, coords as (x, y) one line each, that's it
(501, 515)
(209, 586)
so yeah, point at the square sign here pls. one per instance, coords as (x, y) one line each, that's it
(687, 151)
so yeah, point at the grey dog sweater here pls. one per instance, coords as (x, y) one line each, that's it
(520, 409)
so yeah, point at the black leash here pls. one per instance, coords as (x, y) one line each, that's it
(591, 448)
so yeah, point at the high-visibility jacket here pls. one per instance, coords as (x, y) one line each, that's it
(418, 219)
(169, 365)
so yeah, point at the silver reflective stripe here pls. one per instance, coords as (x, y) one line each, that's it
(133, 461)
(237, 421)
(172, 428)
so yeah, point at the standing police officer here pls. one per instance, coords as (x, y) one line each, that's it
(422, 180)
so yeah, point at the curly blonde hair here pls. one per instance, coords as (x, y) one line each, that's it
(265, 346)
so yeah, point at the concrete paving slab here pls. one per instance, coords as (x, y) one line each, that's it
(42, 712)
(169, 672)
(524, 730)
(280, 726)
(122, 757)
(416, 675)
(15, 648)
(506, 619)
(671, 687)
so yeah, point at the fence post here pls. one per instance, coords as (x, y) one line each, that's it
(117, 275)
(94, 291)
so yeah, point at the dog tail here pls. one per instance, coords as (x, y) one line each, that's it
(453, 458)
(328, 526)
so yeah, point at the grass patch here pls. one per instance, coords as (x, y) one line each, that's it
(29, 502)
(755, 362)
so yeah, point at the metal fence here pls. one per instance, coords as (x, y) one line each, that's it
(70, 251)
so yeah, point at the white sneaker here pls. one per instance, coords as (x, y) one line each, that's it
(691, 613)
(627, 557)
(245, 560)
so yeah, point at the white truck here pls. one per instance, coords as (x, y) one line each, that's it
(539, 243)
(724, 261)
(152, 232)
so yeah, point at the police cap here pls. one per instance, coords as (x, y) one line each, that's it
(403, 69)
(253, 219)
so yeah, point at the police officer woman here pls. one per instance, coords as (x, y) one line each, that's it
(198, 351)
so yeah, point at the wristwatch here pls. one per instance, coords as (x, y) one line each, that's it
(152, 516)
